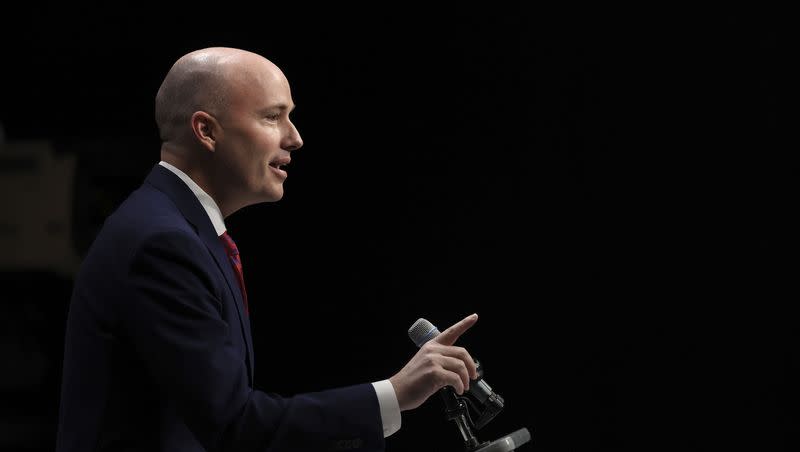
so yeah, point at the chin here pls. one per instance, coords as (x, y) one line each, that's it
(273, 195)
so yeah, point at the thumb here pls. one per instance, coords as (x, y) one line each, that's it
(450, 335)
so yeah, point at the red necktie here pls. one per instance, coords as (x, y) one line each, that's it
(236, 262)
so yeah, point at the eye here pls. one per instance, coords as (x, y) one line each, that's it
(274, 117)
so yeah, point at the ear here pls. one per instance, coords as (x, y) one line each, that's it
(205, 129)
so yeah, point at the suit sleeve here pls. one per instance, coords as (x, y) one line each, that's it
(171, 313)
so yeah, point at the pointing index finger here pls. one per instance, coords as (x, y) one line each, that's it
(450, 335)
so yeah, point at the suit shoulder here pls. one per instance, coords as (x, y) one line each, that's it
(146, 214)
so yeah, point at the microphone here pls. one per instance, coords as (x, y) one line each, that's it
(483, 399)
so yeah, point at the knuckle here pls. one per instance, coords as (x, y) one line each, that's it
(430, 347)
(429, 359)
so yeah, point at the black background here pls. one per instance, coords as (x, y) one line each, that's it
(611, 190)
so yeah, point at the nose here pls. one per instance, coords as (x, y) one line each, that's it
(292, 141)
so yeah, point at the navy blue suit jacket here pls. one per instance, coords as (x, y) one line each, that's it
(158, 353)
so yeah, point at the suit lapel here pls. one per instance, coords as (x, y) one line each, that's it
(188, 204)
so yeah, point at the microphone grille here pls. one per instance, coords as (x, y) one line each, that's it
(422, 331)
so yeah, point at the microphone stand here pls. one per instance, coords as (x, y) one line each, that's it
(456, 410)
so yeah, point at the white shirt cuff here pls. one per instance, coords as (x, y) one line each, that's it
(390, 409)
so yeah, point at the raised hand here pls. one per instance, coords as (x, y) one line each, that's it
(437, 364)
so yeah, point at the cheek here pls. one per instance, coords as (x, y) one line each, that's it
(257, 159)
(260, 169)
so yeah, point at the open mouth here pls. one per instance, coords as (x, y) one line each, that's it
(280, 163)
(278, 166)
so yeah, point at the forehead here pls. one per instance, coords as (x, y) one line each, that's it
(261, 85)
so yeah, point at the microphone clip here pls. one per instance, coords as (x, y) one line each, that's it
(481, 399)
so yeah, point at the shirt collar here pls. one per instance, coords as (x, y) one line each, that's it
(208, 203)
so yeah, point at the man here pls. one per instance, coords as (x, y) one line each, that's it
(158, 352)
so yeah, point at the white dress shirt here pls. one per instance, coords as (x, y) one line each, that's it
(387, 399)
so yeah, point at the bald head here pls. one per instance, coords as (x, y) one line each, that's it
(223, 115)
(203, 80)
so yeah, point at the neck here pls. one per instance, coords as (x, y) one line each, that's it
(195, 169)
(200, 169)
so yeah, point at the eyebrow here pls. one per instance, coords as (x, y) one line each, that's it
(281, 107)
